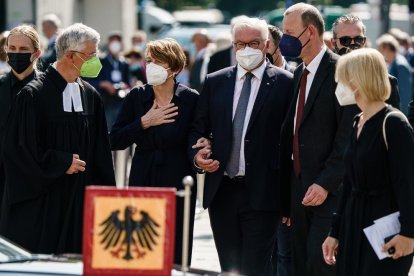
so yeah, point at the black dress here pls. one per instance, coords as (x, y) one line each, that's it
(377, 183)
(10, 85)
(160, 158)
(42, 208)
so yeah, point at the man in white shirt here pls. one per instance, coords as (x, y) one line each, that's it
(241, 108)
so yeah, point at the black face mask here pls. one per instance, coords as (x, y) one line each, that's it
(346, 50)
(19, 62)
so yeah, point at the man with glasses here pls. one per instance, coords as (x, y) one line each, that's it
(56, 145)
(242, 107)
(349, 34)
(313, 138)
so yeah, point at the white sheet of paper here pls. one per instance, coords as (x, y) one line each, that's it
(382, 228)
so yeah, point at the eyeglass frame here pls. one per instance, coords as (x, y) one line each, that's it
(347, 40)
(86, 55)
(244, 44)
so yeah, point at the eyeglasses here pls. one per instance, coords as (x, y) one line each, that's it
(86, 55)
(252, 44)
(347, 40)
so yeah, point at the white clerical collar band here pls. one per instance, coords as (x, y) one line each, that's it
(71, 95)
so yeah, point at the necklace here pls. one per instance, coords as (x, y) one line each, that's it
(169, 101)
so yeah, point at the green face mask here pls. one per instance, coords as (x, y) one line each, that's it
(90, 68)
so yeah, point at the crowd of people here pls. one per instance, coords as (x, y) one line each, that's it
(301, 140)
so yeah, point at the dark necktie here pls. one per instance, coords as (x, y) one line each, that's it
(299, 113)
(238, 123)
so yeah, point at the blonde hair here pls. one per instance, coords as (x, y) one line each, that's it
(28, 31)
(167, 51)
(366, 69)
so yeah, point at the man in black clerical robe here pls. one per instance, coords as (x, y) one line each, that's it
(56, 145)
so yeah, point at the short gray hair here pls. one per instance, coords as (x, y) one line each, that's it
(251, 23)
(74, 37)
(52, 19)
(347, 19)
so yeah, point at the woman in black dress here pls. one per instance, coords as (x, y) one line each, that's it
(379, 180)
(157, 117)
(22, 48)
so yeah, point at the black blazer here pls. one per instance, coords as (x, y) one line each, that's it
(394, 98)
(214, 116)
(220, 60)
(323, 135)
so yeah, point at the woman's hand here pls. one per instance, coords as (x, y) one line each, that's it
(329, 249)
(159, 115)
(202, 143)
(403, 246)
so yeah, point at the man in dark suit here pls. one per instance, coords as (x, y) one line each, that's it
(349, 34)
(242, 108)
(113, 80)
(50, 28)
(313, 138)
(221, 59)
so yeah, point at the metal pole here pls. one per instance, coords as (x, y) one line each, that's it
(188, 182)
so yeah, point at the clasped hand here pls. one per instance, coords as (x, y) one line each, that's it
(159, 115)
(202, 158)
(77, 165)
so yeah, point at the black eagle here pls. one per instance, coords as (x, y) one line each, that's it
(143, 232)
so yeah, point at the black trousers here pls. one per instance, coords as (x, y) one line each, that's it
(309, 231)
(244, 237)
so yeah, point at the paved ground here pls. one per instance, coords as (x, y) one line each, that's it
(204, 251)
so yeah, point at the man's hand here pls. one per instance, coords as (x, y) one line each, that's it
(403, 246)
(330, 249)
(159, 115)
(286, 221)
(77, 165)
(315, 195)
(202, 160)
(202, 143)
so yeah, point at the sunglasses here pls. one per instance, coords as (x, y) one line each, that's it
(347, 40)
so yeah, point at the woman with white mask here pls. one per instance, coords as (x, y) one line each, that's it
(379, 168)
(157, 117)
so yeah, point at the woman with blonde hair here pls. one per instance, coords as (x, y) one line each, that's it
(22, 49)
(156, 118)
(379, 172)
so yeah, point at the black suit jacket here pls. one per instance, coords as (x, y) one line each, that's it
(220, 60)
(214, 116)
(394, 98)
(323, 135)
(48, 57)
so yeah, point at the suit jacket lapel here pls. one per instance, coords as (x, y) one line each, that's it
(228, 91)
(264, 89)
(321, 74)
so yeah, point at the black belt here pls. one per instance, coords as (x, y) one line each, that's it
(236, 180)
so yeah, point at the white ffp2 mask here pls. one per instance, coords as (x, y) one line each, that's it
(249, 58)
(344, 94)
(156, 74)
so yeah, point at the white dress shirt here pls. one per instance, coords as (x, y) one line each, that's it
(255, 84)
(312, 68)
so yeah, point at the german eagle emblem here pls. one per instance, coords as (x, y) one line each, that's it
(135, 233)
